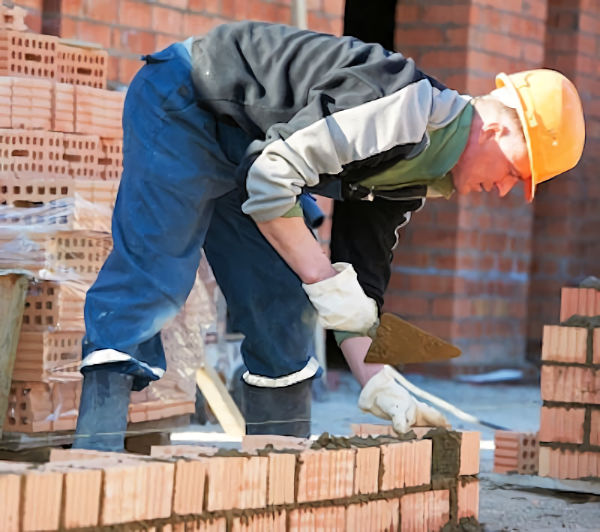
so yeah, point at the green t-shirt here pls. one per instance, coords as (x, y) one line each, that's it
(431, 167)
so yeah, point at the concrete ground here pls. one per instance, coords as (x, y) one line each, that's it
(516, 407)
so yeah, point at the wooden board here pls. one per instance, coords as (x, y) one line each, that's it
(226, 411)
(13, 289)
(533, 481)
(19, 441)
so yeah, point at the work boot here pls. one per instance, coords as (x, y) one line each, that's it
(283, 411)
(102, 420)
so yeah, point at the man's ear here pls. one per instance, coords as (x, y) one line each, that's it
(489, 131)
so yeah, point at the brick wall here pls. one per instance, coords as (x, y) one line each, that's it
(480, 271)
(565, 244)
(484, 271)
(466, 261)
(128, 28)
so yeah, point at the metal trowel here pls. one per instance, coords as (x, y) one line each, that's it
(398, 342)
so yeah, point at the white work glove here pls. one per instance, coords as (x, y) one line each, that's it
(387, 399)
(341, 303)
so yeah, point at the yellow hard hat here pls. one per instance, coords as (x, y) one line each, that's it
(550, 111)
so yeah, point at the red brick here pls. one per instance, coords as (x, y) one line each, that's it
(424, 510)
(366, 476)
(305, 519)
(469, 453)
(135, 14)
(71, 7)
(595, 427)
(405, 464)
(373, 515)
(41, 498)
(188, 489)
(94, 32)
(10, 487)
(167, 20)
(81, 494)
(198, 25)
(325, 474)
(468, 499)
(128, 68)
(561, 425)
(596, 346)
(101, 10)
(557, 463)
(135, 41)
(253, 443)
(570, 384)
(236, 482)
(281, 479)
(564, 344)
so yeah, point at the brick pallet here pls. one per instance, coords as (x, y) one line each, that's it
(60, 167)
(415, 484)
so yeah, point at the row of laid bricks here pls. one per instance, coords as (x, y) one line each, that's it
(570, 345)
(32, 154)
(132, 489)
(579, 301)
(30, 103)
(26, 54)
(576, 425)
(51, 407)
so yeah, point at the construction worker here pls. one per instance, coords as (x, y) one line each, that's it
(223, 137)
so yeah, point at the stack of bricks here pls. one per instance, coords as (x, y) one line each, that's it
(570, 386)
(516, 452)
(60, 167)
(335, 484)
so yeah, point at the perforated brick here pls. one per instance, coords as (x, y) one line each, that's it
(27, 54)
(80, 152)
(51, 305)
(110, 159)
(45, 355)
(26, 153)
(81, 66)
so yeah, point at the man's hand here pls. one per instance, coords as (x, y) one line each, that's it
(341, 302)
(385, 398)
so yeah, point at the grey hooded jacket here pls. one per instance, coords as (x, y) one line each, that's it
(319, 107)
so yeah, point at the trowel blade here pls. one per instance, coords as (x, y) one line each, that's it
(399, 342)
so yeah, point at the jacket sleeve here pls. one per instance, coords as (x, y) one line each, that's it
(334, 144)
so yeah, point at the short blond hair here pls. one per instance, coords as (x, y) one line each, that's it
(510, 114)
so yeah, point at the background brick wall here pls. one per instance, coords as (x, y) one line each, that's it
(480, 271)
(129, 28)
(566, 231)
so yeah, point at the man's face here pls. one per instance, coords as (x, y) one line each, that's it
(497, 159)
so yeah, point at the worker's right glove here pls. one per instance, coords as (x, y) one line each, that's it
(387, 399)
(341, 302)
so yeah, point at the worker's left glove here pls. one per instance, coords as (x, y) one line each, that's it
(341, 302)
(387, 399)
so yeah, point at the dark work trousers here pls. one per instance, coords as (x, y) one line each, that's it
(178, 195)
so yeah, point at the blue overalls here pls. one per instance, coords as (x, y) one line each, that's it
(179, 194)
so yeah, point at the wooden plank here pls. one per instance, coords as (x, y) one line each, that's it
(22, 441)
(13, 289)
(533, 481)
(226, 411)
